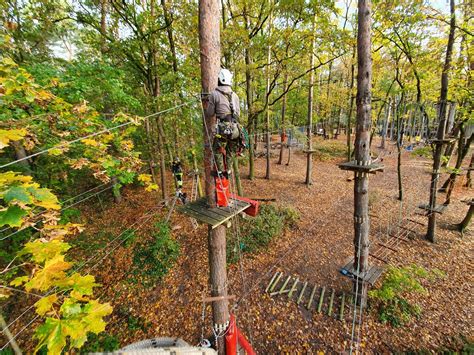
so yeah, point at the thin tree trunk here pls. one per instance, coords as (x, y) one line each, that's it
(209, 43)
(351, 106)
(385, 126)
(9, 336)
(430, 235)
(468, 176)
(283, 114)
(267, 97)
(362, 151)
(309, 129)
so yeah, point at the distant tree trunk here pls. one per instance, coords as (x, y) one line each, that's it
(351, 105)
(283, 114)
(209, 43)
(235, 164)
(468, 176)
(467, 219)
(309, 129)
(430, 235)
(448, 152)
(267, 98)
(103, 26)
(250, 126)
(362, 151)
(385, 126)
(20, 154)
(463, 148)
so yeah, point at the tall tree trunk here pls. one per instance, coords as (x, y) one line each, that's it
(463, 148)
(448, 152)
(309, 129)
(400, 113)
(351, 105)
(430, 235)
(267, 95)
(209, 43)
(161, 151)
(283, 114)
(103, 26)
(362, 151)
(250, 114)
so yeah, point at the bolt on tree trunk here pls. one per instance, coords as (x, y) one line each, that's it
(209, 42)
(430, 235)
(362, 153)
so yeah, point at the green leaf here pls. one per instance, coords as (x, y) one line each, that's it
(43, 251)
(45, 304)
(17, 193)
(50, 334)
(45, 198)
(13, 216)
(70, 307)
(19, 281)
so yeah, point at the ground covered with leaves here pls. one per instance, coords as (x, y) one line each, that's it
(155, 275)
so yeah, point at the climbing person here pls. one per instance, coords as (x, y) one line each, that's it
(229, 139)
(177, 170)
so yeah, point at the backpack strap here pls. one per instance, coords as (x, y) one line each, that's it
(228, 96)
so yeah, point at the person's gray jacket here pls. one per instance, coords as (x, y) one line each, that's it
(218, 103)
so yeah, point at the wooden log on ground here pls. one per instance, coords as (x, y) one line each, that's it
(276, 282)
(284, 284)
(331, 301)
(311, 298)
(293, 288)
(341, 310)
(321, 299)
(271, 281)
(302, 293)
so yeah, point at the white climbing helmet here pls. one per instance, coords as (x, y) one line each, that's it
(225, 77)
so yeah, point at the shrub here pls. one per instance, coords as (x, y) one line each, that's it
(256, 233)
(100, 342)
(152, 260)
(390, 299)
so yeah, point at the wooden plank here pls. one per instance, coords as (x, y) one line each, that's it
(311, 298)
(415, 221)
(331, 301)
(353, 166)
(284, 284)
(378, 258)
(279, 292)
(376, 274)
(321, 299)
(341, 310)
(387, 246)
(293, 288)
(398, 237)
(408, 229)
(276, 282)
(302, 292)
(218, 298)
(271, 281)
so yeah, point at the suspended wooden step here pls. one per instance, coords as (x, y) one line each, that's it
(437, 209)
(370, 276)
(312, 298)
(353, 166)
(200, 211)
(446, 140)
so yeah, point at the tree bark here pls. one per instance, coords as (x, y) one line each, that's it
(468, 176)
(351, 105)
(385, 126)
(467, 219)
(267, 96)
(309, 129)
(362, 152)
(430, 235)
(209, 43)
(283, 114)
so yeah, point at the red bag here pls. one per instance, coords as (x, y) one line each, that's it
(222, 192)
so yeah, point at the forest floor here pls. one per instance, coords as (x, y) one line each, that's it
(313, 251)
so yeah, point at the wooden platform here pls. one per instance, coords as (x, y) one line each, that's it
(370, 276)
(200, 211)
(437, 209)
(352, 165)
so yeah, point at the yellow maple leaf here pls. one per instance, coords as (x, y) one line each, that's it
(7, 135)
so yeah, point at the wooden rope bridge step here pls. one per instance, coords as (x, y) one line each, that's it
(200, 211)
(370, 276)
(313, 298)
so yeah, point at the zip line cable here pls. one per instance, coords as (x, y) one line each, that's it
(65, 144)
(148, 214)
